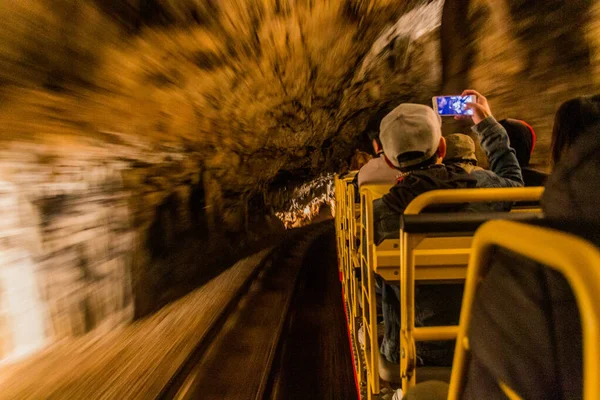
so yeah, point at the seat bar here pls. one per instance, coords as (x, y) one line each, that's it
(429, 333)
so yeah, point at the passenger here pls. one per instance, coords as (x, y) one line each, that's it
(460, 150)
(573, 189)
(378, 170)
(570, 203)
(522, 140)
(412, 141)
(547, 327)
(547, 330)
(573, 118)
(504, 170)
(359, 160)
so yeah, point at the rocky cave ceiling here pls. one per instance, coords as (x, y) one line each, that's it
(263, 92)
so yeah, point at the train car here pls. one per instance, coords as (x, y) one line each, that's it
(449, 248)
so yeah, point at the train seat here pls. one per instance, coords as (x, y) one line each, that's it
(439, 254)
(388, 371)
(530, 319)
(436, 249)
(446, 249)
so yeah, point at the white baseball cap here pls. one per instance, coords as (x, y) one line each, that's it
(410, 128)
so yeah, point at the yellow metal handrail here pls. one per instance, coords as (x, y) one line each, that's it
(449, 196)
(369, 193)
(367, 256)
(409, 334)
(345, 221)
(576, 259)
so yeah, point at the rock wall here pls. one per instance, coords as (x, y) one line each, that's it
(527, 57)
(80, 223)
(69, 217)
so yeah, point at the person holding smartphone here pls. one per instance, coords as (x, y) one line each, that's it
(504, 169)
(413, 144)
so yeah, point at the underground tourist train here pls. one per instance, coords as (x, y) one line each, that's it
(529, 323)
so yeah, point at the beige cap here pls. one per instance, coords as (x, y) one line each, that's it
(460, 147)
(410, 128)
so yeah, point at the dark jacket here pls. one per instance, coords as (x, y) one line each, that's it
(436, 304)
(532, 177)
(386, 211)
(573, 189)
(504, 169)
(543, 339)
(525, 331)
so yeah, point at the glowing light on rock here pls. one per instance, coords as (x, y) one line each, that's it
(305, 201)
(21, 308)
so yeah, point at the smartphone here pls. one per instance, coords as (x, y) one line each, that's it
(447, 106)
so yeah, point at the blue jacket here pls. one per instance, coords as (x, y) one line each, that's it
(504, 168)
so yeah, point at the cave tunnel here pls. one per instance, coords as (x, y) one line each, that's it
(163, 157)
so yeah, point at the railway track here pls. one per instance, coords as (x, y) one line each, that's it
(244, 351)
(271, 326)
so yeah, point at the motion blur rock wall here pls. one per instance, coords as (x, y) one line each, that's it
(139, 135)
(77, 229)
(527, 56)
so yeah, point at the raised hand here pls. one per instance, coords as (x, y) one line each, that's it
(481, 108)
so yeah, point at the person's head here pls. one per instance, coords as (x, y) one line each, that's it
(374, 136)
(460, 148)
(522, 139)
(411, 136)
(573, 118)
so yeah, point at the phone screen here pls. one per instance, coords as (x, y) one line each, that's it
(453, 105)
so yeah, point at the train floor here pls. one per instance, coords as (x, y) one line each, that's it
(314, 359)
